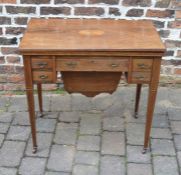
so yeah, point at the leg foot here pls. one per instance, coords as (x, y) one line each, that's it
(41, 114)
(144, 151)
(34, 149)
(136, 115)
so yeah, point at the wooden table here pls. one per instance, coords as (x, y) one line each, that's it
(93, 52)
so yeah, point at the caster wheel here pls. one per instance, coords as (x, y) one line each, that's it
(34, 150)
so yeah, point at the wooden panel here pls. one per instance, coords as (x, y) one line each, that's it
(142, 64)
(42, 76)
(41, 62)
(91, 83)
(140, 77)
(96, 64)
(91, 35)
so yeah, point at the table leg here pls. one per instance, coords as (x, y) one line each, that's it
(30, 99)
(31, 107)
(40, 102)
(153, 86)
(137, 100)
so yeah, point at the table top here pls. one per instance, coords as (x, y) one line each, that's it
(90, 35)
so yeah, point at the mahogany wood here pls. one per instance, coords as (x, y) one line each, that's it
(91, 83)
(137, 100)
(40, 102)
(93, 64)
(91, 55)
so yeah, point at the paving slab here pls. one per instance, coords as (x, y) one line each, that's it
(6, 117)
(69, 116)
(18, 133)
(11, 153)
(164, 165)
(161, 133)
(102, 101)
(113, 124)
(113, 143)
(85, 170)
(177, 141)
(88, 143)
(87, 157)
(60, 103)
(112, 165)
(162, 147)
(8, 171)
(61, 158)
(45, 125)
(81, 102)
(32, 166)
(18, 103)
(66, 133)
(139, 169)
(90, 124)
(4, 127)
(135, 133)
(21, 118)
(175, 127)
(1, 139)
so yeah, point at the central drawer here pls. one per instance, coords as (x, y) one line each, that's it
(92, 64)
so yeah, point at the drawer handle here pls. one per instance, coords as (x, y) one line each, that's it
(42, 64)
(143, 66)
(114, 65)
(140, 78)
(43, 77)
(71, 64)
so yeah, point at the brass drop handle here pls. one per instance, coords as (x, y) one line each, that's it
(141, 77)
(114, 65)
(42, 64)
(142, 66)
(43, 77)
(71, 64)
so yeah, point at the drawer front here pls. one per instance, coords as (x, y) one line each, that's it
(42, 76)
(142, 65)
(140, 77)
(97, 64)
(41, 63)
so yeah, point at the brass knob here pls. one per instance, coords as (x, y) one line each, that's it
(43, 77)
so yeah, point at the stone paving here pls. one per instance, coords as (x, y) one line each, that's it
(91, 136)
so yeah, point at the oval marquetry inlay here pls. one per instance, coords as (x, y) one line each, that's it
(91, 32)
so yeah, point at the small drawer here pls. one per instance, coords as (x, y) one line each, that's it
(42, 76)
(93, 64)
(41, 63)
(139, 77)
(142, 65)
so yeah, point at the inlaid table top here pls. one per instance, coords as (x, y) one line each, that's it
(90, 35)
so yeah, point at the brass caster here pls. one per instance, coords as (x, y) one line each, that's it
(41, 114)
(144, 150)
(34, 149)
(136, 115)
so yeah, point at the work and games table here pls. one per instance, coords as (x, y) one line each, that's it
(91, 56)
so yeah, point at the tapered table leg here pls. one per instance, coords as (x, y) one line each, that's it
(40, 102)
(153, 86)
(30, 99)
(31, 107)
(137, 100)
